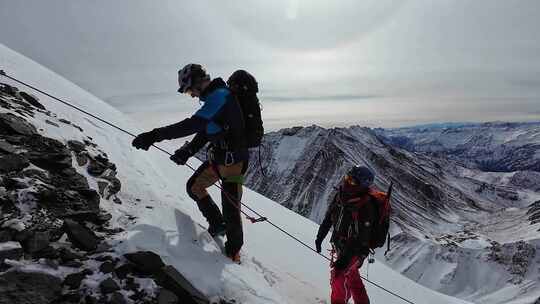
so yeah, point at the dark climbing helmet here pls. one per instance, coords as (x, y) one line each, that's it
(362, 176)
(191, 75)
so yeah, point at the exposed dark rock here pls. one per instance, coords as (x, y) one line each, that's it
(28, 288)
(14, 139)
(103, 247)
(76, 146)
(4, 267)
(11, 124)
(25, 113)
(47, 153)
(145, 262)
(92, 198)
(96, 168)
(21, 236)
(12, 162)
(4, 104)
(291, 131)
(6, 147)
(52, 263)
(138, 296)
(118, 298)
(7, 89)
(73, 264)
(122, 271)
(31, 99)
(132, 285)
(73, 281)
(10, 250)
(63, 120)
(48, 252)
(82, 158)
(39, 240)
(89, 142)
(106, 267)
(7, 204)
(101, 186)
(82, 204)
(81, 216)
(80, 236)
(77, 127)
(70, 297)
(104, 217)
(37, 174)
(88, 299)
(114, 187)
(167, 297)
(52, 123)
(71, 179)
(15, 184)
(6, 235)
(104, 258)
(174, 281)
(112, 230)
(117, 201)
(108, 286)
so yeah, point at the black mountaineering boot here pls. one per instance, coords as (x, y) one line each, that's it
(211, 212)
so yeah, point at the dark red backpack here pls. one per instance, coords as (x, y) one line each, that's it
(380, 232)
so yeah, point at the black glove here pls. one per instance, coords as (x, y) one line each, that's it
(144, 140)
(318, 243)
(342, 261)
(340, 264)
(181, 156)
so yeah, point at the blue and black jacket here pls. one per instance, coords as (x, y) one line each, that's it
(219, 121)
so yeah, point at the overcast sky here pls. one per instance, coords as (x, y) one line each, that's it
(334, 63)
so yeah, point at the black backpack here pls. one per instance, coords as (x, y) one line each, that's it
(245, 88)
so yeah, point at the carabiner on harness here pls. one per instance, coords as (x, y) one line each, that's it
(229, 158)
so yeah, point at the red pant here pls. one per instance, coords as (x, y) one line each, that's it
(347, 282)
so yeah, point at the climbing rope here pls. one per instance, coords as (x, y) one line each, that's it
(253, 220)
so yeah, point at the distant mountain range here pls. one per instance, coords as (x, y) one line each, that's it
(450, 211)
(496, 146)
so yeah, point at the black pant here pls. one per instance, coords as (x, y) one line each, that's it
(231, 194)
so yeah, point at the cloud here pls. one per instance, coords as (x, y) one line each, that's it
(319, 98)
(408, 60)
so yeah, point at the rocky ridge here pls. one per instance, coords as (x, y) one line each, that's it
(492, 146)
(55, 240)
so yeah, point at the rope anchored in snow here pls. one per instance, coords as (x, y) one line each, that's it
(252, 219)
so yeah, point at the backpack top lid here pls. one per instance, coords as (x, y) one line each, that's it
(242, 82)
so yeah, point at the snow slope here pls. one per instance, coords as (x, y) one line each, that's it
(275, 269)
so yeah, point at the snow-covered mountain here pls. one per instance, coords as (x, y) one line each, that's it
(493, 146)
(452, 223)
(157, 215)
